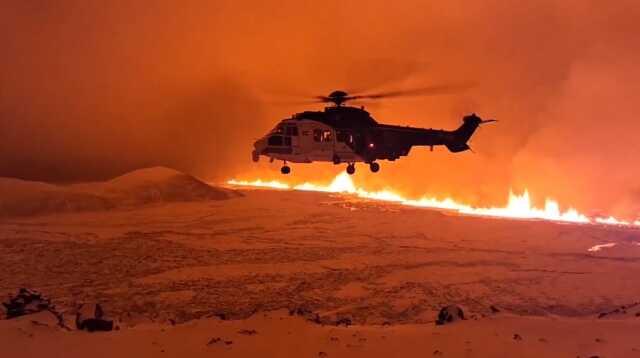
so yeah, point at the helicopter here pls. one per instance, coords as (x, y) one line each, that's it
(347, 134)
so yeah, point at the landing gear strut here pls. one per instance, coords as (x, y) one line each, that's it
(285, 169)
(375, 167)
(351, 168)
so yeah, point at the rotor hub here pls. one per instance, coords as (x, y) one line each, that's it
(338, 97)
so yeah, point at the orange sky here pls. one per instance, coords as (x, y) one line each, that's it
(89, 90)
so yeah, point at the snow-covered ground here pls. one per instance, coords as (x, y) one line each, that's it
(250, 259)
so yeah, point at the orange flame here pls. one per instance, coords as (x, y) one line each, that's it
(518, 206)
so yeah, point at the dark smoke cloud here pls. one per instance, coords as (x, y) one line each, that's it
(89, 90)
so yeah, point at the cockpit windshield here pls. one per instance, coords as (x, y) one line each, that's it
(289, 129)
(279, 129)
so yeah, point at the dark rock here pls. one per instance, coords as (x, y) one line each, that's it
(214, 340)
(221, 316)
(306, 313)
(494, 309)
(517, 337)
(219, 341)
(315, 318)
(91, 317)
(299, 311)
(322, 354)
(344, 321)
(450, 314)
(25, 302)
(248, 332)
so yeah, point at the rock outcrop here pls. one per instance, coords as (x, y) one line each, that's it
(25, 302)
(91, 317)
(450, 314)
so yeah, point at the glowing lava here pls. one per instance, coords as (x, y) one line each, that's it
(518, 206)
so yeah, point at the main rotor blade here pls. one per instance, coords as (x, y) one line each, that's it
(305, 102)
(322, 99)
(426, 91)
(366, 104)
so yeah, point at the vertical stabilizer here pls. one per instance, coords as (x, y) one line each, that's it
(462, 135)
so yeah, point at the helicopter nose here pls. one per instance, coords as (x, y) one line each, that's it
(260, 144)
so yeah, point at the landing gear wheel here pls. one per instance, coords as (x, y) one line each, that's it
(375, 167)
(285, 169)
(351, 168)
(336, 159)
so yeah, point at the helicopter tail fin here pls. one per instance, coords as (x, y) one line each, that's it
(464, 133)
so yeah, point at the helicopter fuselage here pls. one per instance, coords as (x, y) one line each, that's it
(343, 134)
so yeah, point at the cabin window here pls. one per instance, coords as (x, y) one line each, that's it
(320, 135)
(275, 140)
(344, 137)
(292, 131)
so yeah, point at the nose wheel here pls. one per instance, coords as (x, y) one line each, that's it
(375, 167)
(351, 168)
